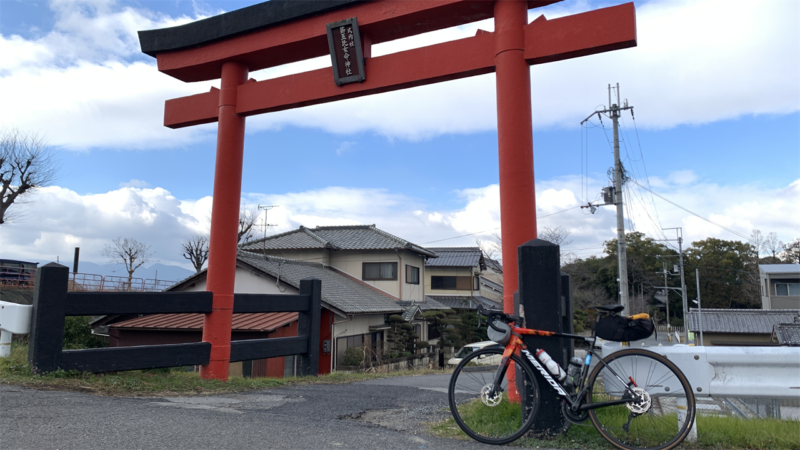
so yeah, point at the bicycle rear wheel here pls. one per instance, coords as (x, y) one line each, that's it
(652, 422)
(492, 420)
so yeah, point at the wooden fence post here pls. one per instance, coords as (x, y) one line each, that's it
(308, 325)
(47, 318)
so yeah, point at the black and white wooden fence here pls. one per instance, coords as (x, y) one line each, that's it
(52, 302)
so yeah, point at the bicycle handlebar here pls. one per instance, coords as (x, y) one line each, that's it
(492, 313)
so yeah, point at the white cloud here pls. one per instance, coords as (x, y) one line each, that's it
(345, 147)
(77, 85)
(134, 183)
(697, 62)
(63, 219)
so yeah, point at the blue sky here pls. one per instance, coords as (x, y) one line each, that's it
(717, 131)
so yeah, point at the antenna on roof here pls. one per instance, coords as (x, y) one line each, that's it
(266, 225)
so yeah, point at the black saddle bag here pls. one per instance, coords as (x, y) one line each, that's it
(621, 329)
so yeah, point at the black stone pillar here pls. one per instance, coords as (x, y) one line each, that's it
(540, 291)
(308, 325)
(47, 318)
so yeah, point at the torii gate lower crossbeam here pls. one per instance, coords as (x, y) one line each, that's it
(230, 51)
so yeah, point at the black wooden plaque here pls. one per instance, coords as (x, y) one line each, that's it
(347, 57)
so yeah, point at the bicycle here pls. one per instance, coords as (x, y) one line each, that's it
(631, 396)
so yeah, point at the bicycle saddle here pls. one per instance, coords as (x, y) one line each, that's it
(609, 308)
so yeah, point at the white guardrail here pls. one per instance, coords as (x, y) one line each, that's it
(772, 372)
(14, 319)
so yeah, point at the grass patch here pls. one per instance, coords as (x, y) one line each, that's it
(714, 433)
(159, 382)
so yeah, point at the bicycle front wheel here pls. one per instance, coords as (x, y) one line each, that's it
(657, 419)
(493, 419)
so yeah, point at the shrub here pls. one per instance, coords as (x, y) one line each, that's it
(353, 356)
(78, 334)
(422, 345)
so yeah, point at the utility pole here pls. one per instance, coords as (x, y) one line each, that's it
(666, 296)
(266, 225)
(613, 111)
(699, 308)
(679, 231)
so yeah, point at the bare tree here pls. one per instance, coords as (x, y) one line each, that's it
(247, 219)
(127, 251)
(757, 241)
(773, 246)
(489, 249)
(26, 163)
(195, 249)
(557, 235)
(560, 236)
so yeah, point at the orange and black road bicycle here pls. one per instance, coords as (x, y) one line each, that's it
(636, 399)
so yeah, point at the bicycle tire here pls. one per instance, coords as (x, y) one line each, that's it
(491, 421)
(653, 423)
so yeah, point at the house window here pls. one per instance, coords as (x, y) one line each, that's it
(786, 289)
(457, 283)
(380, 271)
(412, 274)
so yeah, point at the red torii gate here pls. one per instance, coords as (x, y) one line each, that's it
(280, 32)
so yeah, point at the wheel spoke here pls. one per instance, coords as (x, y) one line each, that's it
(648, 423)
(493, 420)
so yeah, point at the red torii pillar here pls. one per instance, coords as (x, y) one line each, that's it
(230, 52)
(514, 139)
(223, 243)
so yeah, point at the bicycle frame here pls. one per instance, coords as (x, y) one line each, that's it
(515, 345)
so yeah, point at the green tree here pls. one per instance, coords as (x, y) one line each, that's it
(791, 252)
(78, 334)
(401, 336)
(466, 330)
(728, 273)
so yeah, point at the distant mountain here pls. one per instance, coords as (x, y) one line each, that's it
(158, 270)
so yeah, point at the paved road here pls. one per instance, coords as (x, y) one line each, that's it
(387, 414)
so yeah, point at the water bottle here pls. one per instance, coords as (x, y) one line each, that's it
(552, 366)
(574, 370)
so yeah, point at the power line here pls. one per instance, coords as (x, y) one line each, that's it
(495, 229)
(692, 212)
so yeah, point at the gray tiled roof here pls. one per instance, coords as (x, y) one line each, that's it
(491, 284)
(426, 305)
(339, 291)
(779, 268)
(745, 321)
(464, 302)
(456, 257)
(348, 237)
(493, 264)
(409, 312)
(788, 334)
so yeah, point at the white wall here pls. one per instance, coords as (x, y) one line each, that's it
(248, 283)
(351, 263)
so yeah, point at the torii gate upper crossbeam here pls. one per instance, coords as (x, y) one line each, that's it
(545, 41)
